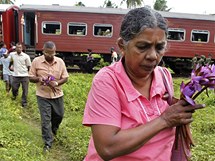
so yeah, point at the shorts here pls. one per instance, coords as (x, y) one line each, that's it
(7, 78)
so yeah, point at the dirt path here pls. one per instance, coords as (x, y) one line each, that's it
(58, 152)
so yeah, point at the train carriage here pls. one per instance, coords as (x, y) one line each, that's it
(8, 23)
(76, 29)
(73, 29)
(189, 35)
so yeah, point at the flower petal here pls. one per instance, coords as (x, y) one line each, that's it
(190, 100)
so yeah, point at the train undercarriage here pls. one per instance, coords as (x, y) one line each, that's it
(179, 65)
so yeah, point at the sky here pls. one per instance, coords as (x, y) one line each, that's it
(183, 6)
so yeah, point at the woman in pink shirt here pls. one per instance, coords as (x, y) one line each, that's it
(126, 107)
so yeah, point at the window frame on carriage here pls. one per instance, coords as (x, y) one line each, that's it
(177, 34)
(80, 28)
(196, 36)
(57, 31)
(101, 30)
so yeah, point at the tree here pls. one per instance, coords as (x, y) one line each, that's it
(80, 4)
(109, 4)
(7, 2)
(160, 5)
(132, 3)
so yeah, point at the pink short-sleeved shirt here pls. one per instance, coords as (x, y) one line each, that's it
(114, 101)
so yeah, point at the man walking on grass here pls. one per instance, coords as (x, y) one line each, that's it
(49, 73)
(21, 63)
(7, 74)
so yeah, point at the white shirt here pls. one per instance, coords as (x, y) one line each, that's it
(114, 57)
(21, 62)
(6, 62)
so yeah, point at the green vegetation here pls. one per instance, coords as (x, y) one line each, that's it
(20, 136)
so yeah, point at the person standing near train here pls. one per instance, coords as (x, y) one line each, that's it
(12, 47)
(21, 63)
(7, 74)
(49, 73)
(114, 55)
(3, 50)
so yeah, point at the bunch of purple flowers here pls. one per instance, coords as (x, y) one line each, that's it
(202, 79)
(47, 81)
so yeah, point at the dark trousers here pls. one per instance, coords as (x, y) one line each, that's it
(24, 81)
(51, 112)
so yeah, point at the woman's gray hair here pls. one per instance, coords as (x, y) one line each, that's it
(138, 19)
(49, 45)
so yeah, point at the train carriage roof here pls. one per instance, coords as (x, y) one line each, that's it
(4, 7)
(188, 16)
(58, 8)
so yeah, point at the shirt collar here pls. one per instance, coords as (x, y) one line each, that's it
(121, 75)
(19, 54)
(157, 86)
(130, 92)
(44, 60)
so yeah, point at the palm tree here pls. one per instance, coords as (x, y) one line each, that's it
(132, 3)
(160, 5)
(80, 4)
(7, 1)
(109, 4)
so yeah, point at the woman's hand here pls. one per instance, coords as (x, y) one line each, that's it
(179, 113)
(166, 96)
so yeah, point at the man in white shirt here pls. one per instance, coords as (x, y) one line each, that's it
(21, 65)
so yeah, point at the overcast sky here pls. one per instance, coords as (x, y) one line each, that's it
(185, 6)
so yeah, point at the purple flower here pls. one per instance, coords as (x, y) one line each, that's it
(202, 77)
(187, 91)
(49, 79)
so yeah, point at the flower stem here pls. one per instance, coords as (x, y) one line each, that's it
(197, 94)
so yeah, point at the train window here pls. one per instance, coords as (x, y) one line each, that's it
(103, 30)
(77, 29)
(51, 28)
(176, 34)
(199, 36)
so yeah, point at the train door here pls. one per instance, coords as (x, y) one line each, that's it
(29, 29)
(1, 28)
(16, 27)
(8, 24)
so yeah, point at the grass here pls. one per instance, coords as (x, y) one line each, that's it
(20, 135)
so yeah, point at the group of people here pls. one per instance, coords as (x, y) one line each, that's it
(127, 107)
(49, 73)
(15, 70)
